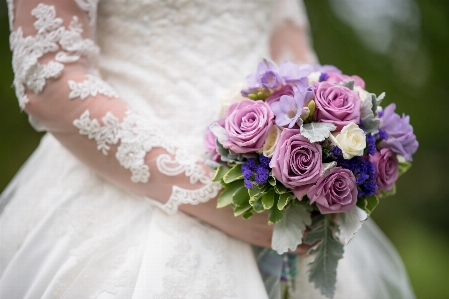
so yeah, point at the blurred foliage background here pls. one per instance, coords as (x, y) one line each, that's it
(396, 46)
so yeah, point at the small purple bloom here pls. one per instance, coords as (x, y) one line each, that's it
(401, 139)
(293, 73)
(267, 76)
(289, 109)
(248, 184)
(323, 77)
(371, 144)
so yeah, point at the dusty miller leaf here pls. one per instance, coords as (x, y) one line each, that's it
(219, 132)
(323, 269)
(328, 166)
(288, 232)
(317, 132)
(369, 121)
(350, 222)
(347, 83)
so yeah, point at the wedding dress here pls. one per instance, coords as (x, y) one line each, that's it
(93, 212)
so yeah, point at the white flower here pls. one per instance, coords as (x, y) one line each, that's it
(314, 77)
(235, 95)
(271, 141)
(362, 93)
(351, 140)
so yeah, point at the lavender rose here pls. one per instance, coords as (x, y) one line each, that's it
(335, 192)
(296, 162)
(334, 77)
(336, 104)
(386, 164)
(247, 125)
(401, 139)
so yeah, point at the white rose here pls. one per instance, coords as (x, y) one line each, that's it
(362, 93)
(271, 141)
(351, 140)
(314, 77)
(235, 95)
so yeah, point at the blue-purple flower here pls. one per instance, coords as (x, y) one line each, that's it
(401, 139)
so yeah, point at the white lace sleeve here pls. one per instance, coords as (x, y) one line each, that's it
(54, 59)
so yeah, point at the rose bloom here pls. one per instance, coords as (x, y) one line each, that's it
(271, 142)
(247, 125)
(335, 192)
(386, 163)
(296, 162)
(336, 104)
(351, 140)
(338, 78)
(401, 139)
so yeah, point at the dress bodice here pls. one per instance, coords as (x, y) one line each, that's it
(174, 60)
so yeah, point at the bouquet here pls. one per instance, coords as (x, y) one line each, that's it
(316, 150)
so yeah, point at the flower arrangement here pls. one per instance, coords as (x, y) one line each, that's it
(312, 147)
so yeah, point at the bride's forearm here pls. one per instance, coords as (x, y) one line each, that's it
(288, 41)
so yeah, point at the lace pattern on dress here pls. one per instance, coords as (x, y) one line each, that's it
(50, 37)
(90, 6)
(90, 87)
(137, 137)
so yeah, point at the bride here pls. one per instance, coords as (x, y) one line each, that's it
(116, 202)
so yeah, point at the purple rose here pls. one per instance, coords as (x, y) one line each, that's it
(247, 125)
(335, 192)
(296, 162)
(401, 139)
(338, 77)
(386, 164)
(336, 104)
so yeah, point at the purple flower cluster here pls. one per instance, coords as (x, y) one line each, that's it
(256, 171)
(371, 144)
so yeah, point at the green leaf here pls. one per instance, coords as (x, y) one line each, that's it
(268, 199)
(388, 193)
(404, 166)
(288, 232)
(242, 209)
(240, 197)
(258, 206)
(256, 192)
(220, 172)
(272, 180)
(234, 174)
(274, 214)
(280, 189)
(284, 199)
(368, 204)
(323, 269)
(225, 197)
(248, 214)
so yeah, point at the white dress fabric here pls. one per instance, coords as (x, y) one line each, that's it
(65, 232)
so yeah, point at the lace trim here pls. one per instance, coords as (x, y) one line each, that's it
(90, 6)
(184, 196)
(90, 87)
(50, 37)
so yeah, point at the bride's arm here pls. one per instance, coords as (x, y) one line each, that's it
(290, 38)
(57, 84)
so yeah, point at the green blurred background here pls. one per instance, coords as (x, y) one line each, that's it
(397, 46)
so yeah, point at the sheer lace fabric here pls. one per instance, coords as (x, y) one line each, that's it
(132, 137)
